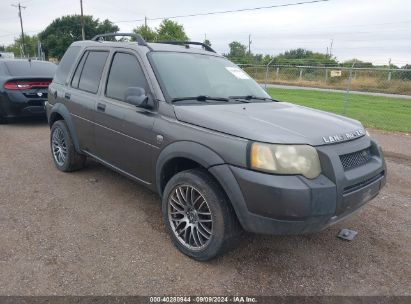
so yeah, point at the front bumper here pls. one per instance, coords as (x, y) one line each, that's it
(275, 204)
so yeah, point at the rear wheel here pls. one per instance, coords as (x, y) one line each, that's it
(198, 216)
(64, 154)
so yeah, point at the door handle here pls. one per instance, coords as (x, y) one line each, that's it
(101, 107)
(67, 95)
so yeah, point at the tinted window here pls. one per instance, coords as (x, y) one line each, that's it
(65, 64)
(92, 70)
(76, 77)
(31, 68)
(125, 72)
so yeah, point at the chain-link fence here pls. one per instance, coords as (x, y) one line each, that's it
(395, 81)
(379, 112)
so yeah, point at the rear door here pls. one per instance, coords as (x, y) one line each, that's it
(82, 97)
(123, 131)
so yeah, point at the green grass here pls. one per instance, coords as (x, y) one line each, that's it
(384, 113)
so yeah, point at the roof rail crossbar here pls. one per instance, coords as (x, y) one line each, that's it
(205, 46)
(140, 40)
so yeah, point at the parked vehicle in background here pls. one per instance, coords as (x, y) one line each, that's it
(6, 55)
(192, 126)
(23, 87)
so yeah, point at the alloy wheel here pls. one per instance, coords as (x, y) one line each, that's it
(59, 146)
(190, 217)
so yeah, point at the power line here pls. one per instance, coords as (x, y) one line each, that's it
(227, 11)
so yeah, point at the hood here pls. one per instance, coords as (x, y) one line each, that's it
(272, 122)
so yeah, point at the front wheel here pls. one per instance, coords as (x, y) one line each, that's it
(64, 154)
(198, 216)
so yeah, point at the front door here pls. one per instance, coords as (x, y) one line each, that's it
(123, 133)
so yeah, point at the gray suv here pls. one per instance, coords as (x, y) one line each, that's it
(224, 157)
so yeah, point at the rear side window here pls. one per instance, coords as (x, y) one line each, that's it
(125, 72)
(76, 77)
(65, 64)
(31, 68)
(92, 70)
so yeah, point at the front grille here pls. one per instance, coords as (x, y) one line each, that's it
(355, 159)
(352, 188)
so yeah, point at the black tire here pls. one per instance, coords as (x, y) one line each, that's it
(225, 227)
(72, 161)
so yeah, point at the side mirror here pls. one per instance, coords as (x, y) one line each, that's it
(136, 96)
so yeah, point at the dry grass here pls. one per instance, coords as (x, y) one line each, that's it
(363, 81)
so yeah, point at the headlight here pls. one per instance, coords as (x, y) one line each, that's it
(285, 159)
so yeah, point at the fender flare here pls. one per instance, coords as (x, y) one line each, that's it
(62, 110)
(214, 164)
(185, 149)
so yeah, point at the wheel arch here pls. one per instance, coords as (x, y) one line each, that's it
(180, 156)
(199, 156)
(60, 112)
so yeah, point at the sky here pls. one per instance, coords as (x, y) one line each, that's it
(369, 30)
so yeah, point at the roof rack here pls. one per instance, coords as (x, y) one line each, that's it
(138, 37)
(187, 43)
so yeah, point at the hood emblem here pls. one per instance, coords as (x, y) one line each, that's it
(39, 94)
(343, 137)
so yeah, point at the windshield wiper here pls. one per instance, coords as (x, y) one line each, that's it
(250, 97)
(200, 98)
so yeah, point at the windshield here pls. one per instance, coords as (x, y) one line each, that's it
(189, 75)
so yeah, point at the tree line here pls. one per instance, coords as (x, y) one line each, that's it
(63, 31)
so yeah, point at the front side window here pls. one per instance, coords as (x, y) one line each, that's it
(186, 75)
(125, 72)
(92, 70)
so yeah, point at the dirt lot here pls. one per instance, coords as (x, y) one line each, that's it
(95, 232)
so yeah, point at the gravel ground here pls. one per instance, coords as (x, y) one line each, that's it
(94, 232)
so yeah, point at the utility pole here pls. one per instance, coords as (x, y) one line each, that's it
(389, 70)
(83, 35)
(331, 48)
(145, 21)
(347, 92)
(21, 24)
(249, 44)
